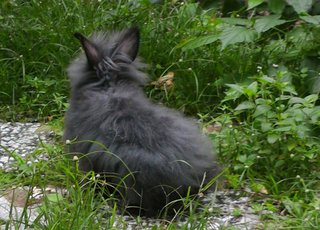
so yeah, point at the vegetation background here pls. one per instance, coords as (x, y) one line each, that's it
(250, 68)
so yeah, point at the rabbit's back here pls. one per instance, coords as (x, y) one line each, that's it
(135, 120)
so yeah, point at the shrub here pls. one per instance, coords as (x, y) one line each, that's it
(273, 140)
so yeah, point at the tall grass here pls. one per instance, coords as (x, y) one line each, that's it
(75, 202)
(37, 44)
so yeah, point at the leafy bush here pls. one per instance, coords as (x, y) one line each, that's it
(274, 36)
(273, 141)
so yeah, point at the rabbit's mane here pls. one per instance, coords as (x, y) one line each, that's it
(81, 74)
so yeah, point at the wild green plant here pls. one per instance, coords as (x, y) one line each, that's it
(273, 140)
(271, 34)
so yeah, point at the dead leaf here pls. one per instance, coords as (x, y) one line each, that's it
(164, 82)
(22, 196)
(50, 118)
(213, 128)
(17, 196)
(263, 190)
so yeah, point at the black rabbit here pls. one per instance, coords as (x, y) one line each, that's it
(120, 133)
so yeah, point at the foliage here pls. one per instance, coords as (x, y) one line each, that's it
(37, 45)
(278, 36)
(273, 142)
(270, 143)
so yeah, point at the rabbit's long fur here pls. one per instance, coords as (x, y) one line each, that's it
(161, 153)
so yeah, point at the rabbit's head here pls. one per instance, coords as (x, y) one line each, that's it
(110, 57)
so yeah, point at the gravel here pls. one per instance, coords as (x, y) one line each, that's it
(23, 138)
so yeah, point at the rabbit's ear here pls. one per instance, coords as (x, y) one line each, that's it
(90, 49)
(129, 43)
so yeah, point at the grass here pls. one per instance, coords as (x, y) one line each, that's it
(83, 208)
(40, 46)
(79, 207)
(261, 90)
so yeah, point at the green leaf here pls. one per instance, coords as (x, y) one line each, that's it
(302, 131)
(273, 137)
(276, 6)
(311, 98)
(54, 197)
(252, 89)
(286, 87)
(236, 34)
(242, 158)
(233, 93)
(279, 163)
(198, 42)
(291, 145)
(266, 79)
(266, 126)
(311, 19)
(310, 155)
(237, 21)
(296, 100)
(236, 87)
(300, 6)
(245, 105)
(309, 112)
(267, 22)
(238, 167)
(254, 3)
(261, 109)
(283, 129)
(261, 101)
(316, 85)
(189, 10)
